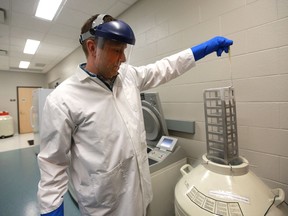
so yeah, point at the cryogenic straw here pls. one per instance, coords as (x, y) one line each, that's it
(229, 55)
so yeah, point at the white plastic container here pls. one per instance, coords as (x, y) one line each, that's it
(6, 125)
(230, 190)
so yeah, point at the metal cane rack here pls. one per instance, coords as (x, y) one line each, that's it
(221, 125)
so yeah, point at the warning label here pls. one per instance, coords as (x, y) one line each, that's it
(214, 206)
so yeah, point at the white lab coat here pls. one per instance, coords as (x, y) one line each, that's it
(104, 131)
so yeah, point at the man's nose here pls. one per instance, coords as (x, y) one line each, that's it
(122, 58)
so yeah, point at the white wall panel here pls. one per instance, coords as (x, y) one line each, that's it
(270, 141)
(270, 169)
(283, 116)
(268, 88)
(258, 114)
(268, 36)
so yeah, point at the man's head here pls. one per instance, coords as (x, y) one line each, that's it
(105, 42)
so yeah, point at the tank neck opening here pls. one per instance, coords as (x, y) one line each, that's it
(232, 162)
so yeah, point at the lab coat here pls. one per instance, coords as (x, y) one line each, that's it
(104, 133)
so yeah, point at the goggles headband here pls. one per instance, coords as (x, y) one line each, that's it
(91, 33)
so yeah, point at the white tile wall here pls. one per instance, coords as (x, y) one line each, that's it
(184, 111)
(254, 14)
(283, 170)
(270, 169)
(283, 115)
(282, 6)
(211, 8)
(271, 141)
(268, 36)
(257, 114)
(258, 71)
(263, 63)
(262, 89)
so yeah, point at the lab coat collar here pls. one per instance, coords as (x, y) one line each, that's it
(83, 74)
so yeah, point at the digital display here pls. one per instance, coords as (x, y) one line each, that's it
(166, 142)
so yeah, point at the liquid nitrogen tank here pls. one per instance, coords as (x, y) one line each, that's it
(222, 183)
(6, 125)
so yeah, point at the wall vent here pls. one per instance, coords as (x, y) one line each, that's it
(40, 65)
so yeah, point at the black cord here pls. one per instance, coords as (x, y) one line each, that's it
(270, 205)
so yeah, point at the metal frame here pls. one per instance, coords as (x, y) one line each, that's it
(221, 125)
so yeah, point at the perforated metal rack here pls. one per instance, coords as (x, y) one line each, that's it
(221, 125)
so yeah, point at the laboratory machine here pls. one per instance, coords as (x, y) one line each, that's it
(162, 149)
(222, 183)
(155, 125)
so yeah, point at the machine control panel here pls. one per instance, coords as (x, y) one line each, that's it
(165, 146)
(167, 143)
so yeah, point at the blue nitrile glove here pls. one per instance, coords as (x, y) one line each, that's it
(218, 44)
(57, 212)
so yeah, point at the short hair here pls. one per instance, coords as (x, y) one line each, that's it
(88, 25)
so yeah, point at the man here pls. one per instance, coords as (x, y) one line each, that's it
(93, 123)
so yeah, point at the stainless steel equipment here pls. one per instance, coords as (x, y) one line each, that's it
(154, 120)
(221, 125)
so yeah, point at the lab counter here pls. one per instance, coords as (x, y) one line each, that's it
(19, 177)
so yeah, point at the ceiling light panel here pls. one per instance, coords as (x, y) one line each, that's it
(47, 9)
(31, 46)
(24, 64)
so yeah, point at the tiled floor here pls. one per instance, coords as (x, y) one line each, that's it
(17, 141)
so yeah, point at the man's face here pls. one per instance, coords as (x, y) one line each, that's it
(109, 58)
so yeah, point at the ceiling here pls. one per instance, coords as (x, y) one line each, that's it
(58, 37)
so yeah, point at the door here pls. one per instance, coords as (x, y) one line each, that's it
(24, 99)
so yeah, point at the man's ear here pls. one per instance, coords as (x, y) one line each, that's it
(91, 47)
